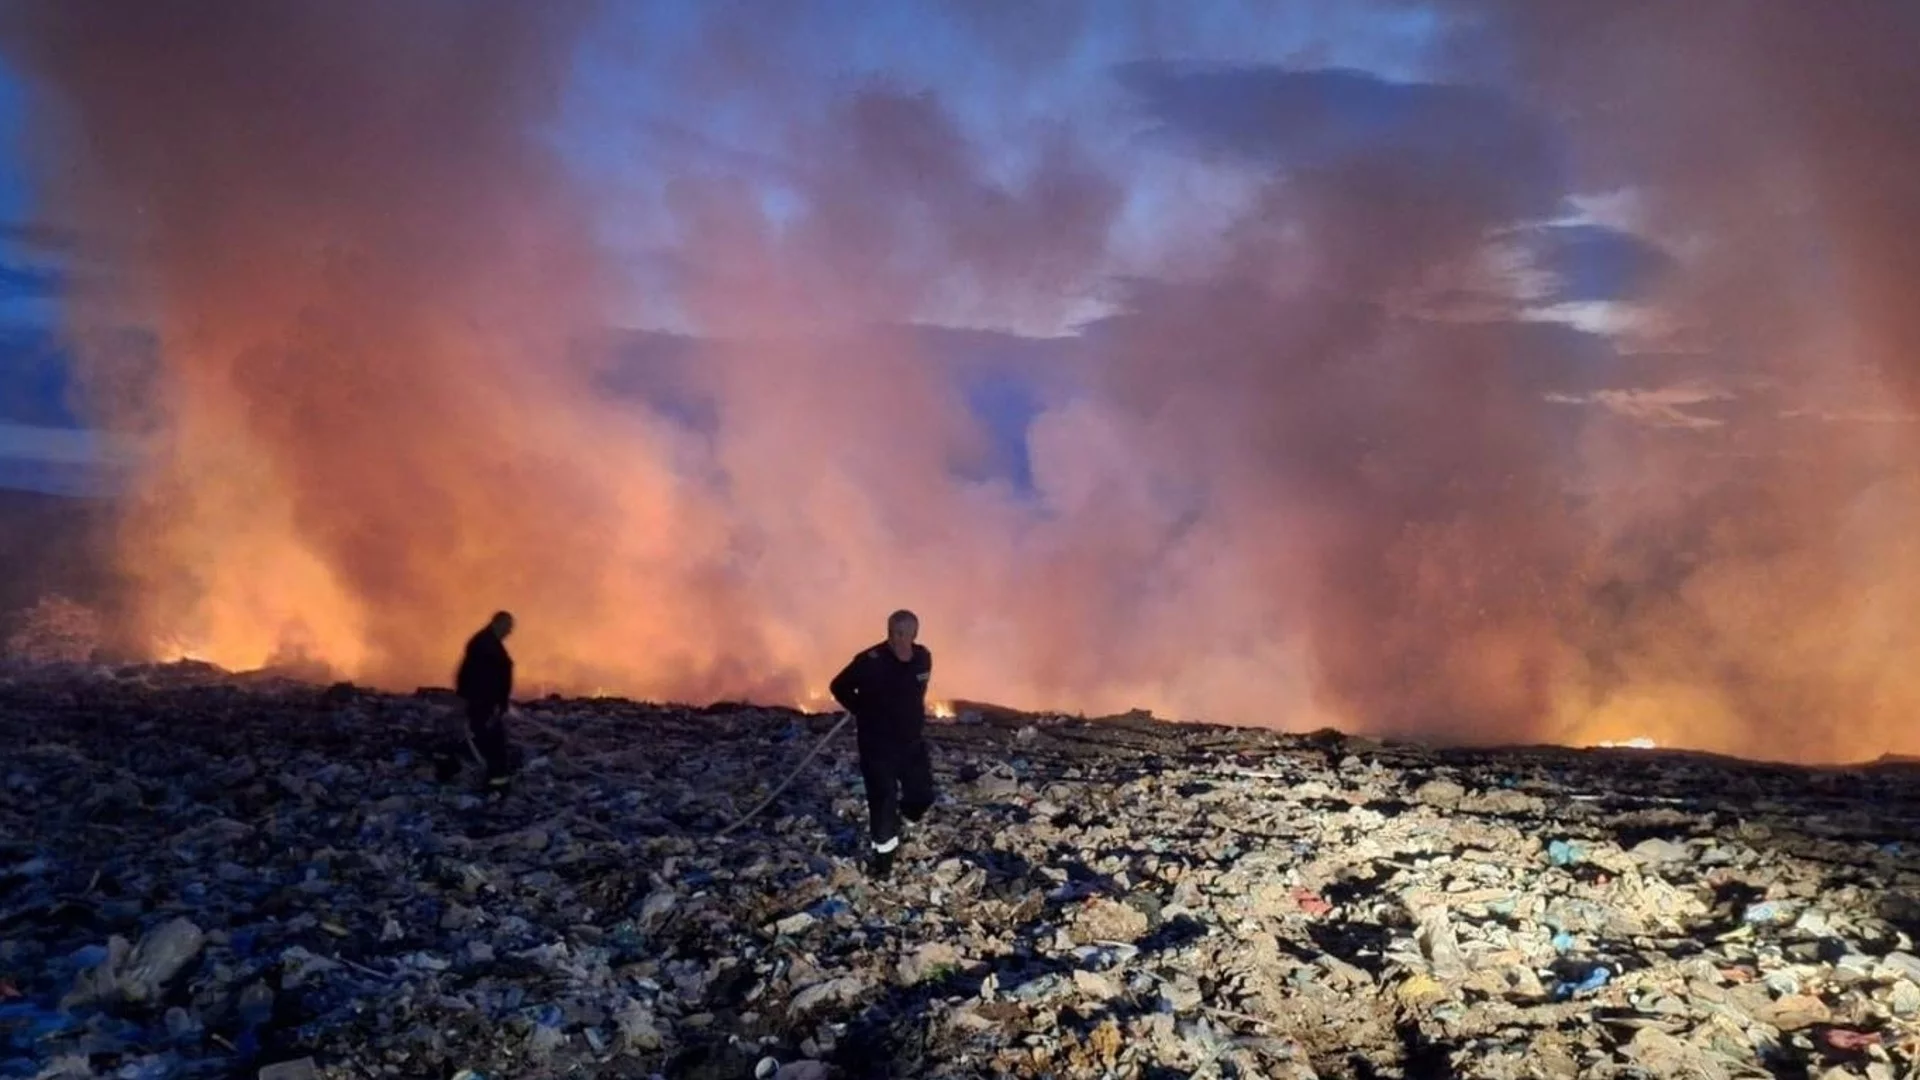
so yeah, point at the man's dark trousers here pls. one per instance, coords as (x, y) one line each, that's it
(487, 723)
(899, 785)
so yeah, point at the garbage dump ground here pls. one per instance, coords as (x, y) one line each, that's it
(205, 875)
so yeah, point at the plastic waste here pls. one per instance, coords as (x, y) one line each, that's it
(361, 909)
(1565, 852)
(1595, 978)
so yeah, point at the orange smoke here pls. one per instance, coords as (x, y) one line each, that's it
(366, 279)
(378, 415)
(1318, 468)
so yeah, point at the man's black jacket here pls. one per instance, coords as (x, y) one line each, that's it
(485, 678)
(888, 699)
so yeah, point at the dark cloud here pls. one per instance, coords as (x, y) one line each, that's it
(1441, 149)
(1594, 262)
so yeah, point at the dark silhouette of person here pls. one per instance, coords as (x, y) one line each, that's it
(885, 688)
(485, 683)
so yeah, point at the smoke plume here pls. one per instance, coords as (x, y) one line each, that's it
(1563, 392)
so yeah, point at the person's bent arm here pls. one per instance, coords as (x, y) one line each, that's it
(845, 687)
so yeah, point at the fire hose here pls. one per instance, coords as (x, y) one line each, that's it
(742, 819)
(791, 777)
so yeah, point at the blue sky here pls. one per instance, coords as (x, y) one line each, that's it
(16, 206)
(32, 366)
(13, 179)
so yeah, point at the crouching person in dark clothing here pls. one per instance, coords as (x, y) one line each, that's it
(885, 688)
(485, 683)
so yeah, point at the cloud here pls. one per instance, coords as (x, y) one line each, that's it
(1666, 407)
(1472, 144)
(1593, 262)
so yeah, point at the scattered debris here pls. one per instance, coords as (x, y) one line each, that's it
(209, 875)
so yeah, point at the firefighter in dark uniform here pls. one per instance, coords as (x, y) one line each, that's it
(485, 684)
(885, 688)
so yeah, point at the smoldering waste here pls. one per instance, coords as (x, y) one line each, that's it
(203, 875)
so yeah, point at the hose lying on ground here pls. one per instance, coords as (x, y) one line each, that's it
(535, 725)
(797, 769)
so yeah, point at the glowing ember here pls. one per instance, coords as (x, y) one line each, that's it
(1639, 743)
(942, 710)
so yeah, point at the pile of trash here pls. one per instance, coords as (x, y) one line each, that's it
(205, 875)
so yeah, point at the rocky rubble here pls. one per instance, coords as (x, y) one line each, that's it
(210, 876)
